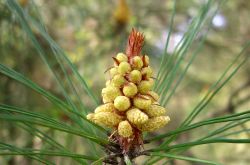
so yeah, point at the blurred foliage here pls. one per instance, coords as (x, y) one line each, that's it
(91, 32)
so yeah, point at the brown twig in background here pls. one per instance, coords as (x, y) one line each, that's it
(232, 105)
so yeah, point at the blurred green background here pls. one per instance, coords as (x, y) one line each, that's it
(92, 31)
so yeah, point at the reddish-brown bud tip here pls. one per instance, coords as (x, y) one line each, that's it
(135, 43)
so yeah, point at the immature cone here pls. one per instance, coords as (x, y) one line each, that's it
(130, 106)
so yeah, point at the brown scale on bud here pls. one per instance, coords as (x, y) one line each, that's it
(154, 96)
(116, 62)
(142, 101)
(145, 60)
(130, 106)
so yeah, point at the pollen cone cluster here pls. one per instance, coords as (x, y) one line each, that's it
(129, 104)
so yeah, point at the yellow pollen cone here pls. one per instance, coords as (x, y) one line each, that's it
(154, 123)
(136, 116)
(124, 67)
(135, 76)
(125, 129)
(122, 103)
(121, 57)
(108, 107)
(118, 80)
(108, 119)
(130, 90)
(142, 103)
(155, 110)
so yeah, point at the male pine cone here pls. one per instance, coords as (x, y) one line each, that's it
(130, 105)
